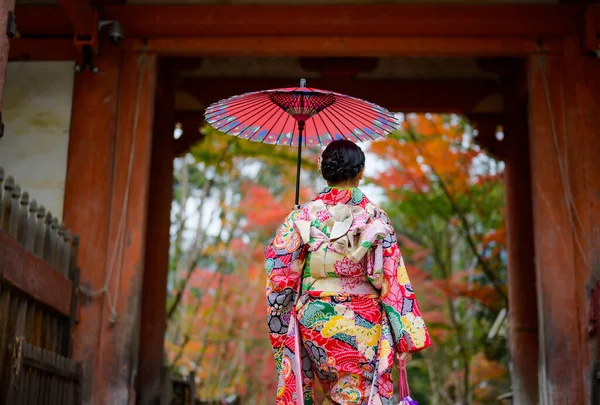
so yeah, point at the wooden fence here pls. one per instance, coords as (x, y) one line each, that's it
(38, 290)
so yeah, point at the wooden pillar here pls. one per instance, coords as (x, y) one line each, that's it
(154, 295)
(6, 7)
(119, 335)
(582, 101)
(105, 202)
(523, 339)
(565, 167)
(88, 197)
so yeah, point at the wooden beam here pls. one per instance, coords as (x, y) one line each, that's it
(335, 46)
(391, 20)
(456, 96)
(82, 16)
(435, 20)
(43, 21)
(42, 49)
(34, 276)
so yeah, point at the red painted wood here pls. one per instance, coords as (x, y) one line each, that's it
(34, 276)
(40, 21)
(119, 334)
(154, 294)
(561, 358)
(522, 305)
(582, 101)
(418, 20)
(337, 46)
(532, 21)
(81, 15)
(42, 49)
(87, 196)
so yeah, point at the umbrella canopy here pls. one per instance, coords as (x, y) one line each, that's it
(300, 116)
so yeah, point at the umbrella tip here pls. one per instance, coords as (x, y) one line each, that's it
(302, 82)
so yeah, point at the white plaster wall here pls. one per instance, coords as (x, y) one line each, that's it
(37, 117)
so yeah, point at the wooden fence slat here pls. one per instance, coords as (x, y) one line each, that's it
(30, 322)
(65, 252)
(45, 379)
(40, 232)
(55, 243)
(5, 301)
(38, 377)
(24, 380)
(23, 218)
(31, 227)
(48, 237)
(15, 213)
(6, 204)
(15, 369)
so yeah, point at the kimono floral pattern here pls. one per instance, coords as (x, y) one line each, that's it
(356, 307)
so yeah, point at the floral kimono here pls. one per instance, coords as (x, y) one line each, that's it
(340, 303)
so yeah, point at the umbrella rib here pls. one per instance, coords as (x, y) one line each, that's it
(357, 105)
(343, 124)
(254, 107)
(355, 120)
(232, 113)
(293, 132)
(215, 110)
(380, 127)
(312, 120)
(263, 106)
(388, 118)
(278, 118)
(236, 101)
(284, 125)
(325, 125)
(385, 115)
(254, 133)
(330, 120)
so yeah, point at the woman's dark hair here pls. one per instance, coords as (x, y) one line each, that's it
(341, 161)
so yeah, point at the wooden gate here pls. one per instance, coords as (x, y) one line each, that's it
(38, 286)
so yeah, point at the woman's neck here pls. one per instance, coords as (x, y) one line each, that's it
(347, 185)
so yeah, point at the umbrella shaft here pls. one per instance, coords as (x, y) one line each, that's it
(299, 166)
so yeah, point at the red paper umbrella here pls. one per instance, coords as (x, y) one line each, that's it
(300, 116)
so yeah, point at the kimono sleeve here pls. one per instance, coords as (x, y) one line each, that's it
(399, 302)
(282, 257)
(283, 267)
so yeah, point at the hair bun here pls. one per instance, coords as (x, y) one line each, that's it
(342, 161)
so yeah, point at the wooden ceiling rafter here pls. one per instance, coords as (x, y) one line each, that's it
(418, 95)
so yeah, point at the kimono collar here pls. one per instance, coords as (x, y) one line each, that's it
(335, 195)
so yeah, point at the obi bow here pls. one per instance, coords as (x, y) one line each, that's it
(352, 233)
